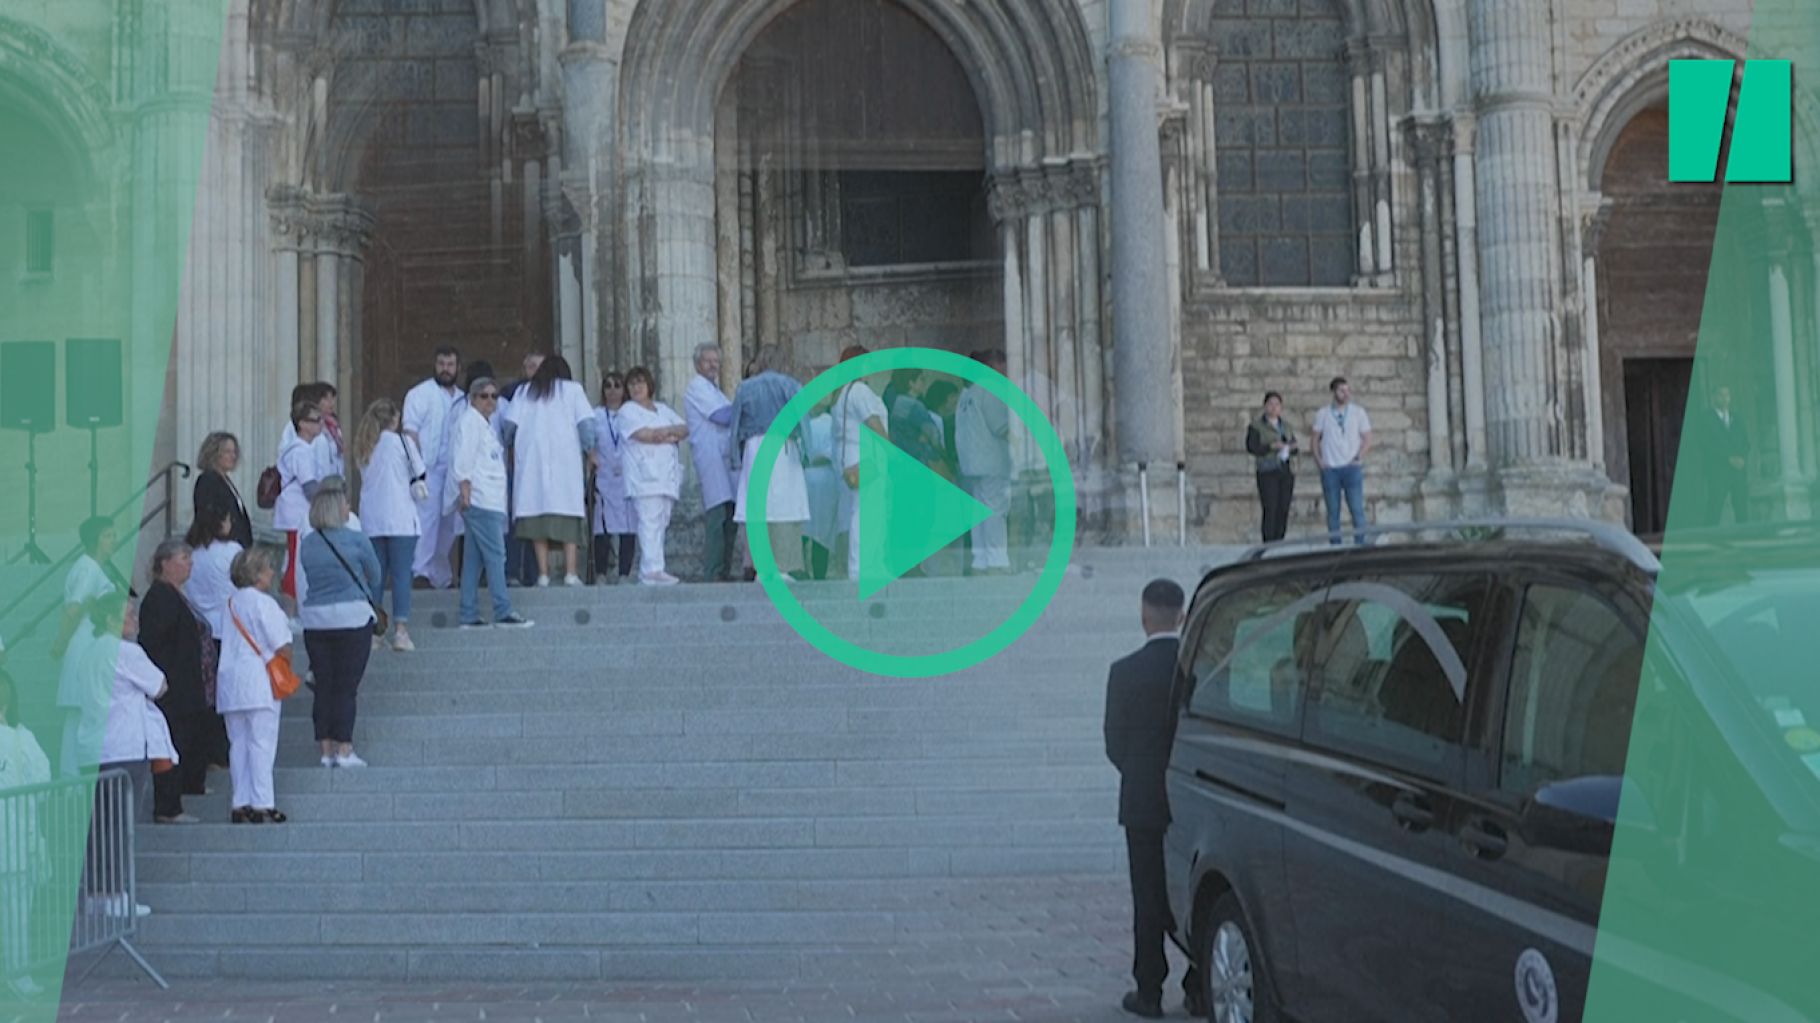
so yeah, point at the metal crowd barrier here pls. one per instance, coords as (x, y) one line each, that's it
(66, 853)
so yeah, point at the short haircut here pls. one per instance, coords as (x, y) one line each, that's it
(301, 410)
(852, 352)
(704, 348)
(641, 373)
(1334, 384)
(479, 384)
(91, 529)
(105, 610)
(172, 548)
(1165, 596)
(1271, 394)
(212, 446)
(939, 393)
(448, 351)
(329, 508)
(248, 565)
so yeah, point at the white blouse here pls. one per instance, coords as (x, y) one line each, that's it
(386, 505)
(241, 682)
(210, 583)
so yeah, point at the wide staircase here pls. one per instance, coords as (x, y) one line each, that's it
(661, 785)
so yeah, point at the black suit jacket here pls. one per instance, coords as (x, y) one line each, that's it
(170, 635)
(1140, 728)
(1727, 443)
(213, 491)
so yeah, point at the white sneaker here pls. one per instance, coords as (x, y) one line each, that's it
(350, 760)
(328, 761)
(378, 644)
(401, 641)
(573, 580)
(543, 582)
(660, 579)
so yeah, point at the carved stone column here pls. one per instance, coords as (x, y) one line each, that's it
(1432, 143)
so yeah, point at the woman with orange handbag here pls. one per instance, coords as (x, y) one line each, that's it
(255, 633)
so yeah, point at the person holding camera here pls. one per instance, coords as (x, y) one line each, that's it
(1272, 442)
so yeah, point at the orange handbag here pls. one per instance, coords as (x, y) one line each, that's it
(285, 682)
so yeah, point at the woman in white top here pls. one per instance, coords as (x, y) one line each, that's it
(299, 469)
(388, 513)
(243, 692)
(858, 408)
(551, 424)
(121, 725)
(90, 578)
(212, 554)
(654, 471)
(615, 516)
(828, 496)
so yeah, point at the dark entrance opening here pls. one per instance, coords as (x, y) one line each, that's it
(1655, 407)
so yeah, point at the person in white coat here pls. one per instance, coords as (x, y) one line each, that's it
(478, 468)
(426, 419)
(300, 470)
(388, 513)
(254, 630)
(654, 471)
(756, 406)
(24, 855)
(857, 408)
(710, 435)
(550, 426)
(615, 516)
(828, 495)
(91, 578)
(122, 726)
(982, 440)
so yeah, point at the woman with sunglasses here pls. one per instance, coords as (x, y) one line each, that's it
(299, 468)
(615, 517)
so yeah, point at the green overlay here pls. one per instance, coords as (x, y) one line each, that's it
(1714, 876)
(102, 138)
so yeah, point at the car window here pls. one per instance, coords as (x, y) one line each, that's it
(1248, 668)
(1573, 688)
(1390, 662)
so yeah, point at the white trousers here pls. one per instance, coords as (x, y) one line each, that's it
(253, 739)
(991, 545)
(436, 534)
(653, 522)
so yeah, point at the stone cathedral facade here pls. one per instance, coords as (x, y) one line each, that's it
(1160, 208)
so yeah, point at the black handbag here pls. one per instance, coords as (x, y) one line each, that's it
(381, 621)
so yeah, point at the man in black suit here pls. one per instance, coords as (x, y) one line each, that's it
(1140, 728)
(1726, 445)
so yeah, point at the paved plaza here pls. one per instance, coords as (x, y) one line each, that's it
(1054, 949)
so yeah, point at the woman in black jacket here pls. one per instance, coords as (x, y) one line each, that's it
(1271, 441)
(215, 489)
(172, 635)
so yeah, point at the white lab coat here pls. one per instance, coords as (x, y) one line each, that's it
(427, 412)
(652, 470)
(982, 434)
(241, 682)
(386, 505)
(614, 512)
(122, 724)
(86, 582)
(210, 584)
(708, 441)
(547, 452)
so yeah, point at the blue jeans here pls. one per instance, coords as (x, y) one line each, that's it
(1351, 480)
(395, 556)
(486, 548)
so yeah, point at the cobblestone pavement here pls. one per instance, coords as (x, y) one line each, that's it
(1051, 950)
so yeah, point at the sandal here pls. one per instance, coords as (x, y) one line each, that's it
(246, 815)
(272, 816)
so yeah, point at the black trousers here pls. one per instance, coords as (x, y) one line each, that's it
(1276, 491)
(605, 548)
(1725, 484)
(190, 733)
(1151, 920)
(338, 659)
(717, 556)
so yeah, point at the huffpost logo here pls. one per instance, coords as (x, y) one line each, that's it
(1699, 98)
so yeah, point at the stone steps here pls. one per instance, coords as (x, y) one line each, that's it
(664, 784)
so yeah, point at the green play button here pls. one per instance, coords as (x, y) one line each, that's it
(907, 512)
(878, 621)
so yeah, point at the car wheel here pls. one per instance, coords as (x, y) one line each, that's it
(1234, 978)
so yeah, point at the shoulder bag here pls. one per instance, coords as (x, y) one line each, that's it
(285, 682)
(381, 621)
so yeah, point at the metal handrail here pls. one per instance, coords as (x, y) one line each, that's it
(1606, 535)
(167, 507)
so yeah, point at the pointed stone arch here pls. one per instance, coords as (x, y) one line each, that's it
(54, 84)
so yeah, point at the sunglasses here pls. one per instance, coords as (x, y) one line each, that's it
(315, 420)
(488, 396)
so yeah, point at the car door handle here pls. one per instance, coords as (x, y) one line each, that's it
(1412, 813)
(1484, 840)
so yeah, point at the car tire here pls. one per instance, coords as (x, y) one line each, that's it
(1235, 980)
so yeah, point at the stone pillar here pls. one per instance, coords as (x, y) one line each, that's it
(565, 249)
(728, 254)
(1590, 234)
(1793, 500)
(328, 316)
(342, 228)
(288, 230)
(1144, 364)
(1472, 344)
(1431, 142)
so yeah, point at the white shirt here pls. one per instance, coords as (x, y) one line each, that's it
(547, 452)
(241, 682)
(86, 582)
(386, 506)
(652, 470)
(480, 461)
(329, 458)
(1342, 432)
(297, 465)
(982, 434)
(122, 724)
(210, 585)
(708, 441)
(857, 404)
(426, 414)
